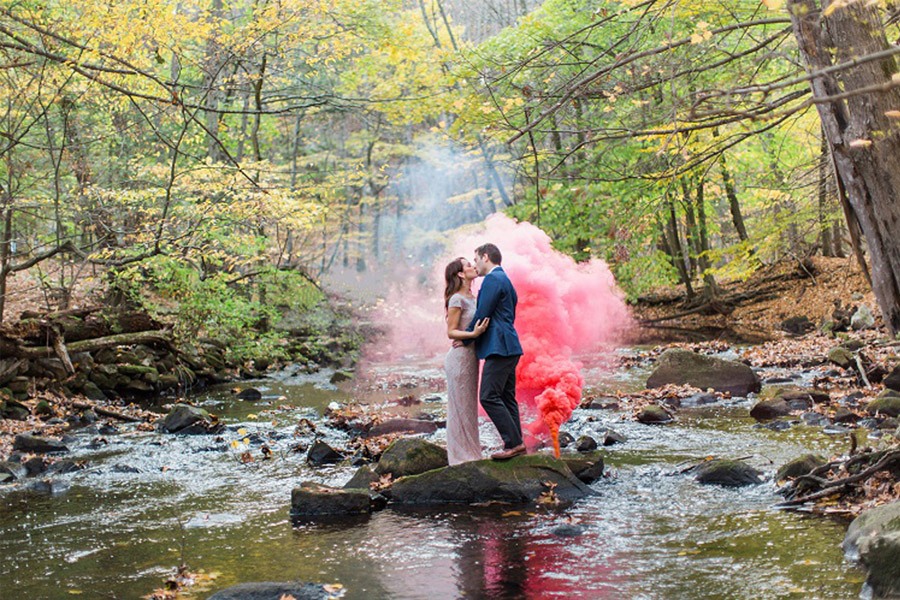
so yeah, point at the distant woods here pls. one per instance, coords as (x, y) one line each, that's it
(194, 152)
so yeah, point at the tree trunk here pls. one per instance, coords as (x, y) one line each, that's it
(5, 249)
(690, 230)
(677, 250)
(710, 287)
(824, 225)
(864, 144)
(737, 218)
(211, 67)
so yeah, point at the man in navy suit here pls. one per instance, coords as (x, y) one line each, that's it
(500, 349)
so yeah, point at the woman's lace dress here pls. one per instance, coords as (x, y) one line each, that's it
(461, 366)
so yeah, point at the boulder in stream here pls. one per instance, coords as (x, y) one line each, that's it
(314, 500)
(653, 414)
(685, 367)
(771, 408)
(799, 466)
(25, 442)
(187, 419)
(273, 590)
(887, 403)
(520, 480)
(411, 456)
(586, 466)
(403, 426)
(728, 473)
(873, 538)
(321, 454)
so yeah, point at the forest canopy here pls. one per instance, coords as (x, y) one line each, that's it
(231, 150)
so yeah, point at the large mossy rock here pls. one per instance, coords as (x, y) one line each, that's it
(874, 538)
(411, 456)
(799, 466)
(682, 367)
(314, 500)
(273, 590)
(519, 480)
(887, 403)
(727, 473)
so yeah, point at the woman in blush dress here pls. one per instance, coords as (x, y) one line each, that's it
(461, 364)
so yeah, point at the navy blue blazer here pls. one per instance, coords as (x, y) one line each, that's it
(497, 299)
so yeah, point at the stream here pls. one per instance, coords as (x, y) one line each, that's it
(147, 502)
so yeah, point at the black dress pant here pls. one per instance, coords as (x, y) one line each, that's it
(498, 397)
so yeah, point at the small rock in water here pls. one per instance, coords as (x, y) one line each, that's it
(250, 395)
(322, 454)
(614, 437)
(815, 419)
(567, 530)
(565, 439)
(654, 414)
(586, 443)
(776, 425)
(836, 430)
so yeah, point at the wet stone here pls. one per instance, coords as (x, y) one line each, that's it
(12, 471)
(815, 419)
(273, 591)
(312, 499)
(411, 456)
(799, 466)
(587, 466)
(770, 409)
(654, 415)
(567, 530)
(613, 437)
(249, 395)
(403, 426)
(728, 473)
(321, 454)
(565, 439)
(31, 443)
(844, 415)
(586, 443)
(685, 367)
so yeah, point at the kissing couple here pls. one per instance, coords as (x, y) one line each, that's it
(482, 329)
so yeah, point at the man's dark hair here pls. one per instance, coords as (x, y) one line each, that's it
(492, 251)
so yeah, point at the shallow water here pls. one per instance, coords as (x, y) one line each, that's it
(148, 502)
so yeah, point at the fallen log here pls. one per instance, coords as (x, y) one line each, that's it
(107, 412)
(14, 348)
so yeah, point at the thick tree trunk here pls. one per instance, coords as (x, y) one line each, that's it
(864, 144)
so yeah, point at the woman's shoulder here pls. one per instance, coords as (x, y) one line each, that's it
(458, 299)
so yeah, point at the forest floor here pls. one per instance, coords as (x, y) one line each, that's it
(753, 310)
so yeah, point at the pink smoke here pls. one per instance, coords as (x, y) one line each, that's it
(565, 309)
